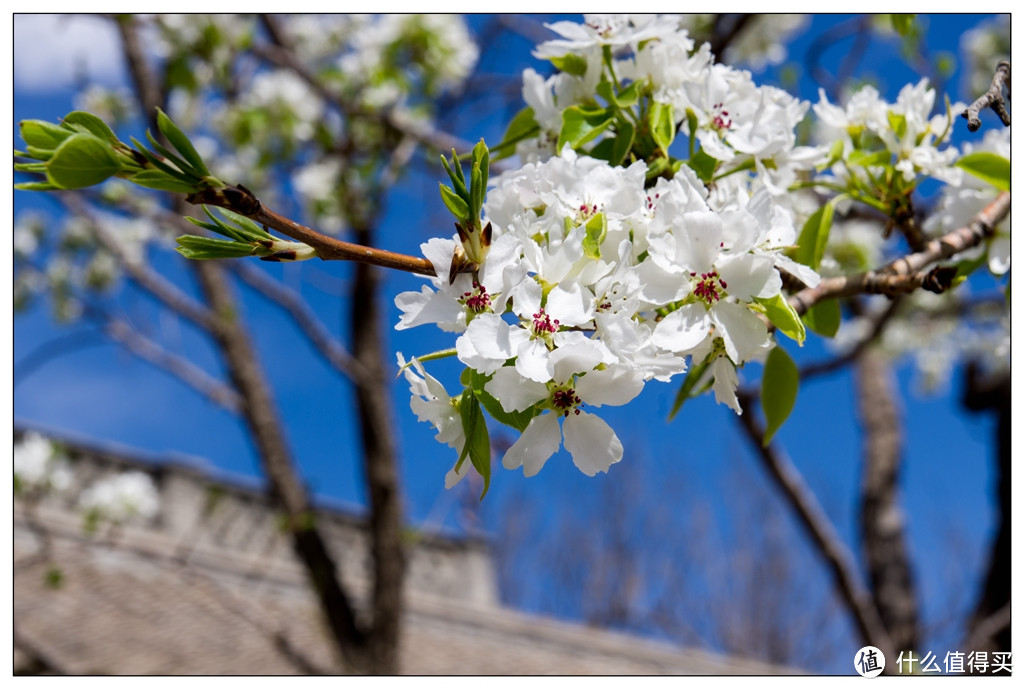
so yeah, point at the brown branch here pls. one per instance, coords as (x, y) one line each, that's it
(265, 427)
(905, 274)
(828, 543)
(881, 518)
(242, 201)
(379, 463)
(993, 98)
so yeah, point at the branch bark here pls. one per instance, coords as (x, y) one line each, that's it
(261, 418)
(828, 543)
(993, 393)
(993, 98)
(881, 519)
(905, 274)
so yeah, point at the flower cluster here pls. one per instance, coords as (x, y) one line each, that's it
(121, 498)
(38, 466)
(595, 284)
(648, 233)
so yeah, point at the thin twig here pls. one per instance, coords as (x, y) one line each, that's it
(993, 98)
(824, 536)
(181, 368)
(242, 201)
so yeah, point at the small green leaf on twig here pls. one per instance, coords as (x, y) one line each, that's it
(779, 386)
(82, 160)
(180, 142)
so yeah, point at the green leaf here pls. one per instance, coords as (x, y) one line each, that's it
(625, 132)
(158, 179)
(784, 317)
(779, 386)
(87, 122)
(688, 388)
(36, 186)
(454, 203)
(662, 124)
(180, 142)
(457, 178)
(247, 227)
(523, 126)
(814, 236)
(703, 165)
(82, 160)
(34, 168)
(178, 162)
(571, 64)
(243, 229)
(625, 98)
(201, 248)
(989, 167)
(902, 23)
(596, 230)
(158, 162)
(476, 192)
(43, 135)
(581, 126)
(482, 156)
(863, 158)
(518, 420)
(824, 318)
(966, 267)
(478, 441)
(898, 123)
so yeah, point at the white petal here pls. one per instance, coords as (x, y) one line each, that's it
(592, 442)
(514, 392)
(806, 274)
(748, 276)
(428, 306)
(700, 242)
(532, 361)
(538, 442)
(725, 383)
(489, 342)
(615, 385)
(576, 355)
(453, 477)
(439, 252)
(743, 333)
(682, 329)
(572, 306)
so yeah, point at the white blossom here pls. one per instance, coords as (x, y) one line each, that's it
(37, 465)
(121, 498)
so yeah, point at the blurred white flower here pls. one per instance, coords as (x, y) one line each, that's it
(123, 497)
(38, 466)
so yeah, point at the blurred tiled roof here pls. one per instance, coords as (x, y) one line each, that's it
(152, 600)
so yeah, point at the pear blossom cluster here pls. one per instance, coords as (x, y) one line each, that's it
(38, 466)
(594, 285)
(612, 265)
(121, 498)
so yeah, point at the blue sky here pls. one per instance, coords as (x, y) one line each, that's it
(96, 391)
